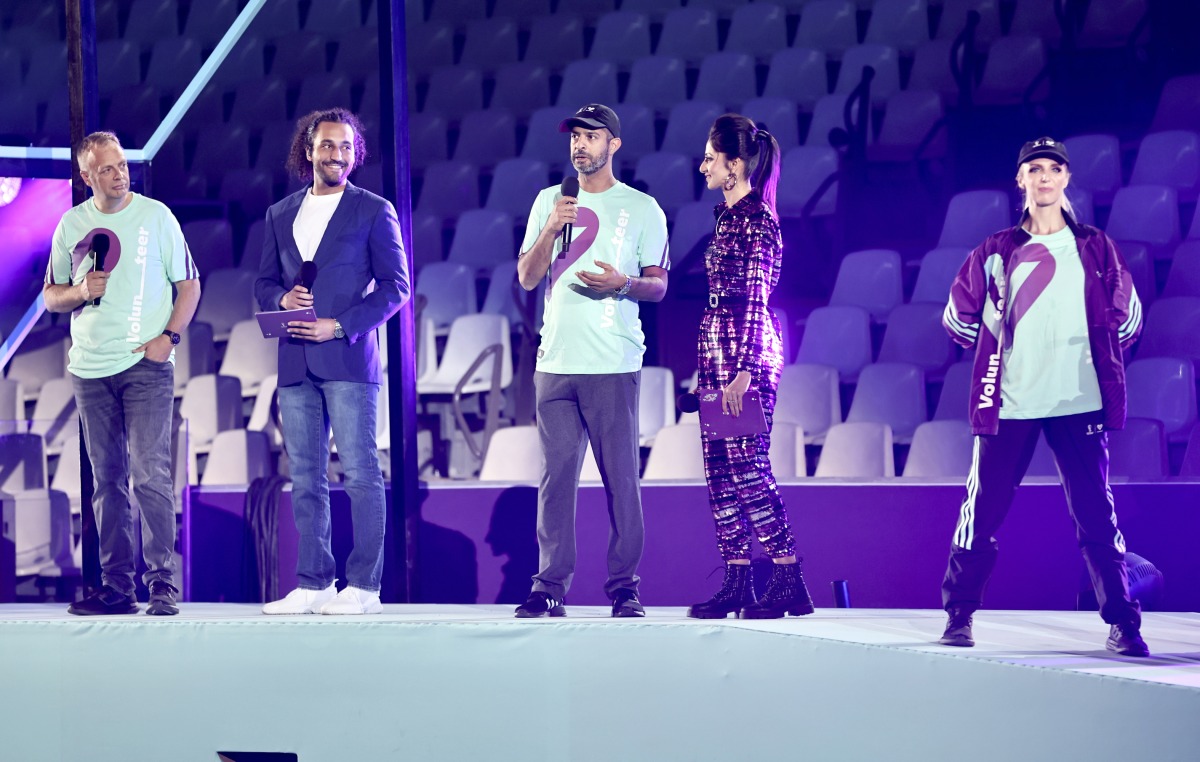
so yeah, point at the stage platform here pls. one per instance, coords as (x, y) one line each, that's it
(458, 682)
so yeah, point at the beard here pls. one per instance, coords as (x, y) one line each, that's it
(592, 165)
(333, 174)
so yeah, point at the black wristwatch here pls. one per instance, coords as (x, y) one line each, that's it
(174, 337)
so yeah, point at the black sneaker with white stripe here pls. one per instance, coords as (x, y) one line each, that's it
(540, 604)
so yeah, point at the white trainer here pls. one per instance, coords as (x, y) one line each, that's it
(353, 600)
(301, 601)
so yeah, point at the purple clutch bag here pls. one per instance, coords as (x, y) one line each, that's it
(717, 424)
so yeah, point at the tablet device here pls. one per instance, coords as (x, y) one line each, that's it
(715, 423)
(274, 324)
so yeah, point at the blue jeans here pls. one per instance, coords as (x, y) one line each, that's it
(127, 427)
(308, 410)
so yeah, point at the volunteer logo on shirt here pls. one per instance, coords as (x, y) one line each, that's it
(80, 252)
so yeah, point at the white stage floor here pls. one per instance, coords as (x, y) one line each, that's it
(472, 682)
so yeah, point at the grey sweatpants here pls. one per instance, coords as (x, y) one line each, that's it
(571, 411)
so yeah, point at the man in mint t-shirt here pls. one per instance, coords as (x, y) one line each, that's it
(590, 358)
(124, 329)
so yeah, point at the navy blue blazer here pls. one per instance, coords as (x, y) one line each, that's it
(362, 243)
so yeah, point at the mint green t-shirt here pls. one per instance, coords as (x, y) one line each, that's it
(1047, 366)
(582, 332)
(146, 255)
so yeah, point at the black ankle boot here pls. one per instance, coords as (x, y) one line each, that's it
(737, 592)
(786, 593)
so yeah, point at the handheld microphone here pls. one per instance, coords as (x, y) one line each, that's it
(570, 187)
(307, 275)
(100, 244)
(688, 402)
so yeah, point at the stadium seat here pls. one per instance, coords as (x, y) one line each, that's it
(677, 454)
(805, 170)
(237, 457)
(901, 24)
(891, 393)
(727, 78)
(688, 125)
(692, 225)
(1109, 24)
(211, 244)
(797, 75)
(1183, 279)
(514, 454)
(1178, 104)
(688, 33)
(1015, 64)
(118, 64)
(515, 183)
(830, 114)
(524, 87)
(839, 337)
(588, 80)
(637, 131)
(656, 402)
(915, 335)
(810, 397)
(320, 91)
(830, 26)
(1163, 388)
(485, 137)
(913, 128)
(940, 449)
(521, 10)
(931, 70)
(259, 102)
(490, 44)
(555, 40)
(1148, 214)
(955, 393)
(862, 450)
(938, 270)
(778, 116)
(1096, 165)
(427, 139)
(871, 279)
(454, 91)
(151, 20)
(1138, 452)
(884, 59)
(173, 63)
(621, 36)
(1172, 329)
(669, 178)
(450, 187)
(544, 142)
(483, 238)
(758, 29)
(449, 288)
(249, 356)
(430, 46)
(954, 20)
(457, 10)
(55, 417)
(298, 56)
(974, 215)
(657, 82)
(1033, 17)
(1172, 159)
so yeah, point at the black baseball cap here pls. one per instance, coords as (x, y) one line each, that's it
(593, 116)
(1043, 148)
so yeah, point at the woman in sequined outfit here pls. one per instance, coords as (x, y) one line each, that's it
(740, 348)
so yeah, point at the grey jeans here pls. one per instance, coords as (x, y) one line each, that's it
(571, 411)
(127, 425)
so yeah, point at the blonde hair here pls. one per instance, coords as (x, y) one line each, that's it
(92, 141)
(1025, 202)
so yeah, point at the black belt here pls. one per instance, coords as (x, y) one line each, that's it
(728, 300)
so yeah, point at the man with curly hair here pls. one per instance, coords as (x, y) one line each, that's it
(323, 247)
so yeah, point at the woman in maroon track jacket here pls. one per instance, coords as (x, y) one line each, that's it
(1048, 305)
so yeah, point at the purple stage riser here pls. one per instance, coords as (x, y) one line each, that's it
(478, 544)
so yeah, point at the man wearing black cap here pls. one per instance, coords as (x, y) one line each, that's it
(600, 250)
(1057, 306)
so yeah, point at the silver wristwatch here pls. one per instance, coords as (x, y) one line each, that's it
(623, 290)
(338, 331)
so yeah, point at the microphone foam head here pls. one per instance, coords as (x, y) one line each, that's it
(570, 186)
(688, 403)
(307, 274)
(101, 243)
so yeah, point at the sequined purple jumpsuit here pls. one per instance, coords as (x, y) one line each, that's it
(740, 333)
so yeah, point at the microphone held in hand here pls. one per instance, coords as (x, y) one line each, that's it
(570, 187)
(307, 275)
(688, 403)
(100, 245)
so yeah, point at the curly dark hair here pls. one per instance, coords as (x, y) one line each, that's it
(298, 162)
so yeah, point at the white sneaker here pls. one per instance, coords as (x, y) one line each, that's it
(301, 601)
(353, 600)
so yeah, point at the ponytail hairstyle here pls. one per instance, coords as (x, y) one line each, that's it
(738, 137)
